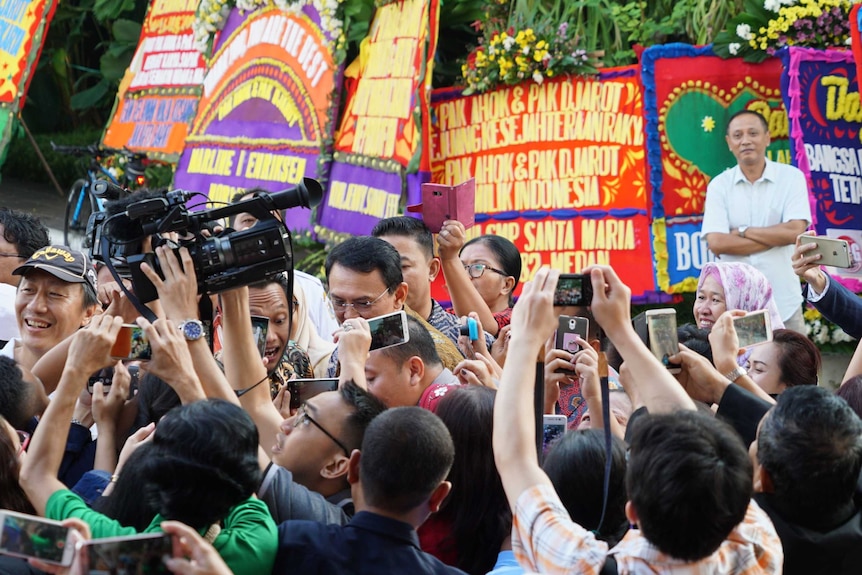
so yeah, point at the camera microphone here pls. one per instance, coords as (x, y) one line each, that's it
(306, 194)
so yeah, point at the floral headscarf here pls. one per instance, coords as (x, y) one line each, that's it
(745, 288)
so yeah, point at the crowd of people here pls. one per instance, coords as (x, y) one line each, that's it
(424, 458)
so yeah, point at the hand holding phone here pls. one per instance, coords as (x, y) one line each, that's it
(143, 553)
(663, 338)
(570, 327)
(301, 390)
(441, 203)
(29, 536)
(387, 330)
(833, 252)
(753, 328)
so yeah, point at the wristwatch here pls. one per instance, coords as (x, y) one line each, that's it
(193, 329)
(737, 372)
(741, 230)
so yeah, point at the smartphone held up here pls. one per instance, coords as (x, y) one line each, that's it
(29, 536)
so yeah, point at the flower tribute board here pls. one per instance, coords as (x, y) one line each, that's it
(264, 110)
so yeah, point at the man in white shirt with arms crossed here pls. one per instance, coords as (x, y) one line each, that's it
(755, 210)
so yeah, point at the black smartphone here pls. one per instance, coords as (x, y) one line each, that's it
(259, 330)
(389, 329)
(574, 289)
(106, 377)
(302, 390)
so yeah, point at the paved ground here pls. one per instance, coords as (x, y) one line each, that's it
(39, 199)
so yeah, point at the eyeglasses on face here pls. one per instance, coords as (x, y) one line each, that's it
(302, 418)
(478, 270)
(340, 304)
(24, 438)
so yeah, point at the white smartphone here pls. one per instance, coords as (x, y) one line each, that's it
(753, 328)
(23, 535)
(390, 329)
(553, 427)
(662, 336)
(833, 252)
(133, 554)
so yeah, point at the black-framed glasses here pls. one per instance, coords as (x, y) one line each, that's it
(302, 418)
(340, 304)
(12, 256)
(478, 270)
(24, 438)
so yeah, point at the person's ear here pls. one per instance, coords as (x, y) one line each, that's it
(353, 467)
(88, 315)
(335, 467)
(433, 269)
(400, 295)
(631, 513)
(438, 496)
(509, 285)
(417, 369)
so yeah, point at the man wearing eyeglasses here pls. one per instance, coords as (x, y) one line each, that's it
(365, 280)
(20, 236)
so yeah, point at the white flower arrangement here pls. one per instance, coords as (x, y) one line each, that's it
(211, 16)
(825, 334)
(744, 32)
(734, 47)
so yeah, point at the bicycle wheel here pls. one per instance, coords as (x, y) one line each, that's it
(79, 206)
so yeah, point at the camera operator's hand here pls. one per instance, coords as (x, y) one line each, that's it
(90, 348)
(471, 348)
(171, 360)
(587, 368)
(451, 239)
(354, 342)
(178, 292)
(807, 265)
(698, 377)
(536, 320)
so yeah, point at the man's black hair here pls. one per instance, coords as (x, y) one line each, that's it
(366, 254)
(364, 408)
(16, 395)
(744, 112)
(408, 227)
(695, 339)
(810, 444)
(689, 479)
(406, 453)
(24, 230)
(420, 343)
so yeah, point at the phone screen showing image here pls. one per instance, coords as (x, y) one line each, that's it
(551, 432)
(260, 330)
(138, 554)
(301, 390)
(388, 330)
(663, 338)
(131, 343)
(33, 538)
(752, 329)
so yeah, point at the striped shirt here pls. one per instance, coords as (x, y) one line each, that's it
(546, 540)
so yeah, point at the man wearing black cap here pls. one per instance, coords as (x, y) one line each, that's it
(56, 297)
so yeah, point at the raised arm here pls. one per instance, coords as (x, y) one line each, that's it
(652, 383)
(533, 321)
(89, 351)
(464, 296)
(725, 349)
